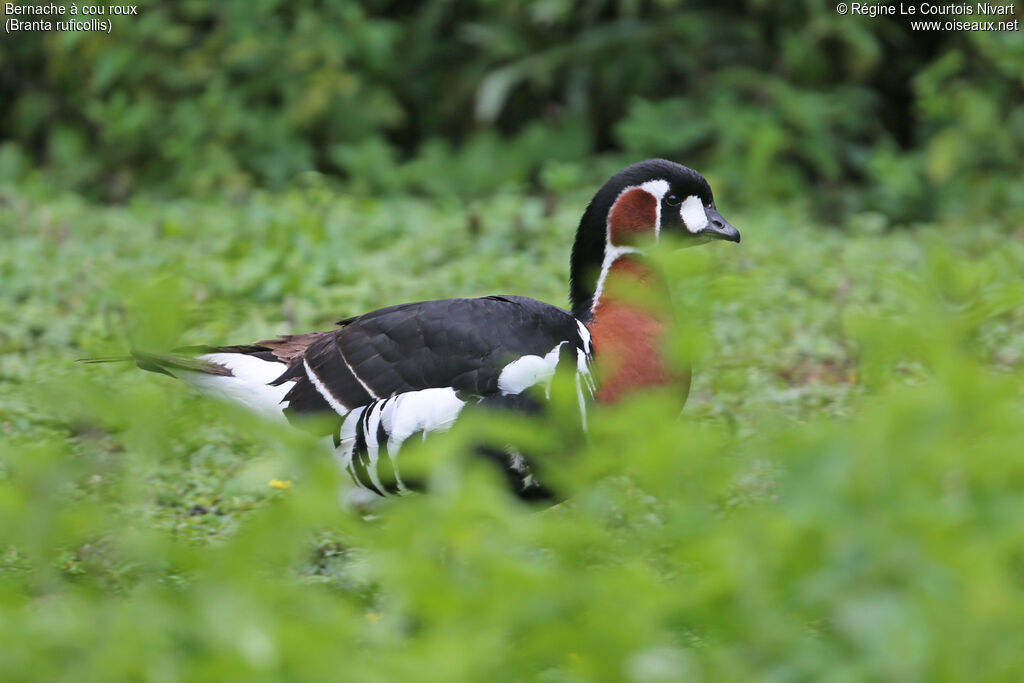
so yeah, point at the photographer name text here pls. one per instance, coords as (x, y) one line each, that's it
(981, 16)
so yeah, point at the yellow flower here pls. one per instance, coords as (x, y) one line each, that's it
(372, 617)
(279, 484)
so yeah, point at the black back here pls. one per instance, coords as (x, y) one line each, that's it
(458, 343)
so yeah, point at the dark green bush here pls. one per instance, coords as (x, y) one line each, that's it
(460, 98)
(839, 501)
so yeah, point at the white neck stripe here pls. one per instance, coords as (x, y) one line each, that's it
(611, 255)
(655, 188)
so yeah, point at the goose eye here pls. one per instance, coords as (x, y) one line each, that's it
(672, 200)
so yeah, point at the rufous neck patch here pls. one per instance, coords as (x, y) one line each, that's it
(628, 348)
(628, 335)
(634, 213)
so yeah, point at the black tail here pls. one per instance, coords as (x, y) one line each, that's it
(162, 363)
(111, 359)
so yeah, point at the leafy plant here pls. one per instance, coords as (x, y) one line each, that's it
(778, 102)
(838, 500)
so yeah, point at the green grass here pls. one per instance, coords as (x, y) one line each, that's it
(839, 501)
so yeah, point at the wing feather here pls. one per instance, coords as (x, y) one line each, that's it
(450, 343)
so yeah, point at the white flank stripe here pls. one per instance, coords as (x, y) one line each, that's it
(583, 370)
(372, 447)
(583, 379)
(527, 371)
(387, 417)
(582, 401)
(335, 404)
(347, 439)
(343, 459)
(588, 346)
(353, 371)
(427, 410)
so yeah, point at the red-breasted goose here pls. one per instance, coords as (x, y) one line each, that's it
(411, 369)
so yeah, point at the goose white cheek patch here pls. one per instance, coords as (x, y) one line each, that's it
(692, 213)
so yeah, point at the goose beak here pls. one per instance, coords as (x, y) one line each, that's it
(718, 228)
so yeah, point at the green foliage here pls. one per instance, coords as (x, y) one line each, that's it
(839, 501)
(777, 100)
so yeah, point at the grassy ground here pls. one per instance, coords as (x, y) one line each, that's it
(840, 499)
